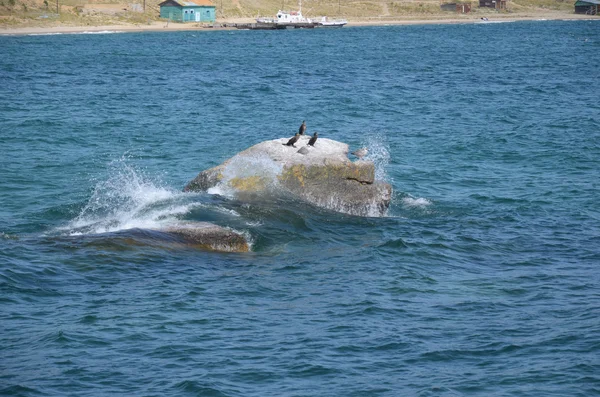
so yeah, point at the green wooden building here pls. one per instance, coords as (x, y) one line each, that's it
(590, 7)
(188, 10)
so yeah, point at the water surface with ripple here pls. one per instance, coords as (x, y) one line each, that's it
(481, 280)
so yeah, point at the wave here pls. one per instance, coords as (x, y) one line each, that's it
(45, 34)
(101, 32)
(74, 33)
(490, 22)
(127, 200)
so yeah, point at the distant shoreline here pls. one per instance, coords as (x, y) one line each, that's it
(160, 26)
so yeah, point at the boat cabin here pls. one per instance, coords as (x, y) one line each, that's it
(291, 17)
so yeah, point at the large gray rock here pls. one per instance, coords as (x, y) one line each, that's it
(322, 175)
(208, 236)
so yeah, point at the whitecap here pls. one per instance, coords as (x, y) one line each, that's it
(6, 236)
(416, 202)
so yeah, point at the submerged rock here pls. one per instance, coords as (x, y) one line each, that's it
(322, 175)
(209, 236)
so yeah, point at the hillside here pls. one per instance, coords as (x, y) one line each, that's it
(19, 13)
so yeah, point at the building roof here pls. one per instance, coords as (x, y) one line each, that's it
(189, 3)
(587, 2)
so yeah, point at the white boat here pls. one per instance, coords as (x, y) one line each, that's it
(295, 19)
(285, 18)
(332, 23)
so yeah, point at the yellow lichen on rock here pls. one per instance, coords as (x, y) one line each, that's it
(218, 247)
(299, 174)
(249, 184)
(294, 175)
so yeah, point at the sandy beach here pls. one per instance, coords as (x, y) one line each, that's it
(226, 24)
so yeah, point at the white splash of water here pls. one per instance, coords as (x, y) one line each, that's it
(126, 200)
(8, 236)
(378, 153)
(247, 166)
(416, 202)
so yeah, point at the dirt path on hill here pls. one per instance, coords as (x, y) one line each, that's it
(385, 10)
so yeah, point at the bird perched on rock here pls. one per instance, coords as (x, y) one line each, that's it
(312, 140)
(302, 128)
(293, 140)
(360, 153)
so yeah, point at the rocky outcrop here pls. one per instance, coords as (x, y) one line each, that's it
(208, 236)
(322, 175)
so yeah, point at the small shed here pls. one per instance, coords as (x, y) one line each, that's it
(497, 4)
(461, 8)
(188, 10)
(589, 7)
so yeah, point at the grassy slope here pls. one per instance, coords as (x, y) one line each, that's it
(28, 12)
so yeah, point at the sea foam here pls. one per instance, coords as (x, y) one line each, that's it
(128, 199)
(416, 202)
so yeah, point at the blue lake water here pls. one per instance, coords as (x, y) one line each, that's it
(483, 278)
